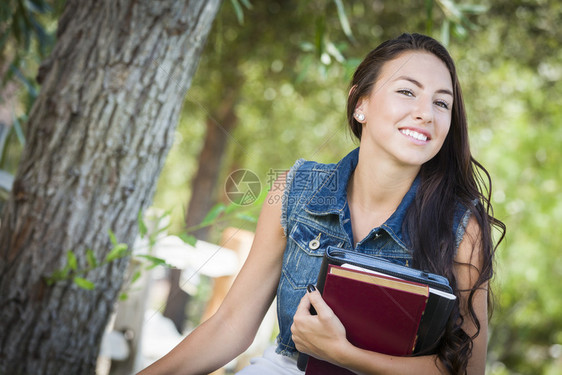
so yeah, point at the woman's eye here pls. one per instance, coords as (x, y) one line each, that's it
(406, 92)
(442, 104)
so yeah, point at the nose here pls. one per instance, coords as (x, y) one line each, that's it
(424, 110)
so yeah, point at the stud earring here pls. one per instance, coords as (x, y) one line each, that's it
(360, 116)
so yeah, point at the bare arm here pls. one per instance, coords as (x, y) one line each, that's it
(231, 330)
(467, 271)
(323, 335)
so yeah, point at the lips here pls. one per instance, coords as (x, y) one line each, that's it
(417, 134)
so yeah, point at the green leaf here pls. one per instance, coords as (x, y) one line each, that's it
(232, 207)
(18, 129)
(445, 33)
(71, 260)
(142, 225)
(91, 258)
(119, 251)
(307, 47)
(429, 17)
(84, 283)
(136, 276)
(57, 276)
(31, 90)
(238, 10)
(155, 261)
(188, 239)
(247, 4)
(344, 21)
(247, 217)
(161, 229)
(213, 214)
(319, 35)
(473, 8)
(334, 51)
(112, 237)
(43, 38)
(38, 6)
(459, 30)
(123, 297)
(62, 274)
(451, 10)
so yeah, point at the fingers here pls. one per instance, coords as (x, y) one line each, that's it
(304, 306)
(302, 315)
(316, 334)
(317, 302)
(303, 322)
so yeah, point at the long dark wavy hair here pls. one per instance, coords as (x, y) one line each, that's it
(451, 178)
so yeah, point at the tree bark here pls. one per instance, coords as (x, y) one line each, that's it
(98, 136)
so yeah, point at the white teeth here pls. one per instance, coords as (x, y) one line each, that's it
(414, 134)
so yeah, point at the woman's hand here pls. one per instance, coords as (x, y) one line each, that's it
(321, 335)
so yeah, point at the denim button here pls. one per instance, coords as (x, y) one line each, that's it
(314, 244)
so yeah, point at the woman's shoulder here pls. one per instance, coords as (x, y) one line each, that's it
(306, 174)
(461, 218)
(309, 165)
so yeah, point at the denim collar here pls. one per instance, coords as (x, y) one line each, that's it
(335, 185)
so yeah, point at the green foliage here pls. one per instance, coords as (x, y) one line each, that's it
(118, 251)
(26, 37)
(155, 261)
(516, 133)
(143, 230)
(91, 258)
(220, 216)
(83, 283)
(73, 270)
(188, 239)
(237, 5)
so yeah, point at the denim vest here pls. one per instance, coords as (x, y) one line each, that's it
(315, 215)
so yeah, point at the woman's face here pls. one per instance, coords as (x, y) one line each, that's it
(408, 113)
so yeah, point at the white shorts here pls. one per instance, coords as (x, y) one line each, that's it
(271, 363)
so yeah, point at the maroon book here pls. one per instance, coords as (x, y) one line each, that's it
(379, 313)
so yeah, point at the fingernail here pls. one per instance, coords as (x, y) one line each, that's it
(310, 288)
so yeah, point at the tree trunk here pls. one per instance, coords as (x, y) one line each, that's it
(203, 188)
(98, 136)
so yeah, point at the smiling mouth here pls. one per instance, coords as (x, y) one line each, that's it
(414, 134)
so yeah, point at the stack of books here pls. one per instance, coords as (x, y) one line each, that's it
(384, 307)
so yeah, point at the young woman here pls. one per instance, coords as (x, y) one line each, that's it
(411, 193)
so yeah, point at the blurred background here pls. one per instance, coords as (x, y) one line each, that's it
(271, 87)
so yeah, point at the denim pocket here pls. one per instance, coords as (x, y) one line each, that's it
(306, 245)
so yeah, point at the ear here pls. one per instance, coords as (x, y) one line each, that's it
(361, 105)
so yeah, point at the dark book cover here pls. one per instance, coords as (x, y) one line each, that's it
(379, 313)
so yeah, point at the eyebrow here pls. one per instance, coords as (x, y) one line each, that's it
(417, 83)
